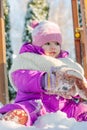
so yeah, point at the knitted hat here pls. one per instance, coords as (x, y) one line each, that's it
(44, 32)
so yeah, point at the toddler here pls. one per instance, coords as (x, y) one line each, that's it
(45, 79)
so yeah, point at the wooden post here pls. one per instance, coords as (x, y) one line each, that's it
(83, 4)
(75, 27)
(3, 75)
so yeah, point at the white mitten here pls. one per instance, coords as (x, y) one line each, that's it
(66, 82)
(57, 82)
(77, 83)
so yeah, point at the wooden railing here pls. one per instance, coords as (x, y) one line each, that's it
(3, 74)
(75, 28)
(83, 4)
(80, 33)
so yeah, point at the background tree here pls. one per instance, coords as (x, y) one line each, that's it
(9, 51)
(79, 14)
(36, 10)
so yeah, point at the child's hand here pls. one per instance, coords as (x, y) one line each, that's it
(81, 88)
(70, 83)
(67, 83)
(60, 84)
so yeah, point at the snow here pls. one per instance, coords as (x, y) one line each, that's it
(17, 17)
(50, 121)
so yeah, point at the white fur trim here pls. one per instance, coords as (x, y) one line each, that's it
(34, 61)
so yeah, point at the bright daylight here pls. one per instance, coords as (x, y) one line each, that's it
(43, 65)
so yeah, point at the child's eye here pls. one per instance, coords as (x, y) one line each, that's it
(57, 43)
(47, 43)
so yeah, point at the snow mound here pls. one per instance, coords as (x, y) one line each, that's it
(52, 121)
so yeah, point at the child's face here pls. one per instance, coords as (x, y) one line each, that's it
(51, 49)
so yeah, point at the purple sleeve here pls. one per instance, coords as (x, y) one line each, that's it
(63, 54)
(28, 47)
(28, 80)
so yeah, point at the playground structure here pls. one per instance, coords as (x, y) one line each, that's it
(80, 33)
(80, 41)
(3, 74)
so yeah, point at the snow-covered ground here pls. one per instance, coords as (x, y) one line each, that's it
(52, 121)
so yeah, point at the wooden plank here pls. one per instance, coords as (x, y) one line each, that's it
(75, 27)
(83, 11)
(85, 3)
(3, 74)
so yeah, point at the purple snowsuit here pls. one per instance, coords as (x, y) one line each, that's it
(32, 98)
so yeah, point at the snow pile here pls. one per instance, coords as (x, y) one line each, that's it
(52, 121)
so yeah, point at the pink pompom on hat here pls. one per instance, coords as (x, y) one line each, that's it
(44, 32)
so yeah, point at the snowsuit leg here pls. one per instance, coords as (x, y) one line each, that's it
(32, 108)
(77, 110)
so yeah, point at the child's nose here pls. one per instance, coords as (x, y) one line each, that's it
(53, 47)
